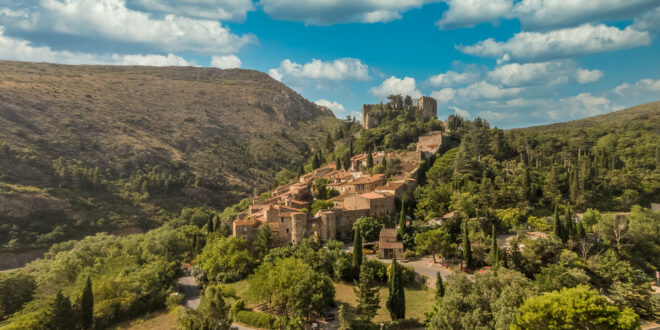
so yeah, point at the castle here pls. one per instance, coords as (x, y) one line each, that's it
(427, 107)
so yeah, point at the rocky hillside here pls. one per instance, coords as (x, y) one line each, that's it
(103, 147)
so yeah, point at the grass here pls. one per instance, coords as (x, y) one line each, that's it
(157, 320)
(417, 302)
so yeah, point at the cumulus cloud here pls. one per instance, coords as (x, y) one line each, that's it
(394, 85)
(581, 105)
(22, 50)
(642, 86)
(542, 46)
(336, 107)
(444, 95)
(324, 12)
(226, 62)
(111, 20)
(485, 90)
(207, 9)
(461, 112)
(584, 76)
(650, 21)
(337, 70)
(468, 13)
(452, 78)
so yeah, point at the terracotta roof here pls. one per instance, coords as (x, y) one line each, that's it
(247, 222)
(288, 208)
(390, 245)
(372, 195)
(368, 179)
(387, 233)
(358, 157)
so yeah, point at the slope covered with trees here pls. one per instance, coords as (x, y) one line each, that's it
(91, 148)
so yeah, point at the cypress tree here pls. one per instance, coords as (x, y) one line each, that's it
(338, 164)
(402, 220)
(495, 249)
(396, 301)
(210, 224)
(367, 294)
(467, 247)
(439, 287)
(559, 227)
(87, 305)
(350, 148)
(301, 170)
(370, 160)
(357, 250)
(569, 224)
(195, 245)
(316, 162)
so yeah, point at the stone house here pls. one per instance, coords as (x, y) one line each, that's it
(388, 246)
(379, 205)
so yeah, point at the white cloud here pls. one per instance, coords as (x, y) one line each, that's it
(542, 46)
(493, 116)
(111, 20)
(584, 76)
(341, 69)
(561, 13)
(650, 21)
(485, 90)
(581, 105)
(452, 78)
(208, 9)
(468, 13)
(461, 112)
(226, 62)
(642, 86)
(336, 107)
(22, 50)
(325, 12)
(394, 85)
(444, 95)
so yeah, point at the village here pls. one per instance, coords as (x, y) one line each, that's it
(355, 192)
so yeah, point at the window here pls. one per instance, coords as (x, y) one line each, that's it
(282, 220)
(287, 230)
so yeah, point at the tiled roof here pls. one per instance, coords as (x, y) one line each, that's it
(372, 195)
(247, 222)
(387, 233)
(390, 245)
(368, 179)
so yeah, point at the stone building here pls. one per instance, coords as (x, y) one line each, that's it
(429, 143)
(427, 107)
(388, 246)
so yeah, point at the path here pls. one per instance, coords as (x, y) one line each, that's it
(424, 266)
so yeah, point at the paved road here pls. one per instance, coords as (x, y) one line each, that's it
(423, 266)
(190, 291)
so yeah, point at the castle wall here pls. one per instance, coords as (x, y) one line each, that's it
(427, 107)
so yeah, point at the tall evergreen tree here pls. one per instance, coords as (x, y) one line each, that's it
(569, 224)
(357, 250)
(350, 148)
(495, 253)
(367, 294)
(559, 229)
(210, 224)
(60, 314)
(467, 247)
(338, 164)
(329, 145)
(346, 161)
(396, 301)
(87, 306)
(370, 160)
(439, 287)
(402, 220)
(316, 161)
(301, 170)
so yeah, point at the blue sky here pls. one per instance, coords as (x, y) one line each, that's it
(514, 62)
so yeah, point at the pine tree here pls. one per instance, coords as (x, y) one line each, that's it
(439, 287)
(396, 301)
(367, 294)
(209, 224)
(87, 305)
(495, 253)
(357, 250)
(467, 247)
(60, 314)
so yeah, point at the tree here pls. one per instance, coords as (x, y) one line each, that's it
(467, 247)
(369, 228)
(559, 229)
(60, 314)
(357, 250)
(17, 288)
(402, 220)
(614, 228)
(370, 160)
(87, 305)
(439, 286)
(343, 322)
(396, 301)
(301, 170)
(321, 191)
(434, 241)
(210, 224)
(316, 161)
(367, 294)
(263, 242)
(494, 250)
(214, 309)
(291, 285)
(226, 259)
(338, 164)
(329, 144)
(575, 308)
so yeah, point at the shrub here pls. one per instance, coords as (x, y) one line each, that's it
(255, 319)
(173, 301)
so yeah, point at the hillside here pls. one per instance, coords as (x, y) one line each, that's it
(88, 148)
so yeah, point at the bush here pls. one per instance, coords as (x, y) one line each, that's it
(173, 301)
(255, 319)
(409, 255)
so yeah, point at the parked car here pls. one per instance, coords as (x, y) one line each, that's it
(328, 315)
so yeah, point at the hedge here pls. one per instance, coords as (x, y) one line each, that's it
(256, 319)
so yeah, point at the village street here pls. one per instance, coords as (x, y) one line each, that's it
(422, 266)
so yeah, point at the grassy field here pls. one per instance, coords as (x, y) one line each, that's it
(417, 302)
(157, 320)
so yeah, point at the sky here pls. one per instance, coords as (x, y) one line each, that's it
(515, 63)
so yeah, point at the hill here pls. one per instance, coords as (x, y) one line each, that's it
(90, 148)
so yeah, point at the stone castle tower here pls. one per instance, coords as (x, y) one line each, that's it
(427, 107)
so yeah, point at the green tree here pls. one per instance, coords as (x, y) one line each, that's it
(370, 160)
(226, 259)
(402, 220)
(263, 242)
(396, 301)
(434, 241)
(210, 224)
(343, 322)
(439, 286)
(369, 228)
(494, 249)
(214, 309)
(574, 308)
(87, 305)
(357, 250)
(60, 315)
(338, 164)
(467, 247)
(16, 288)
(367, 294)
